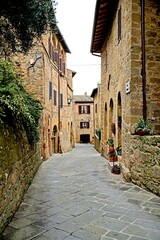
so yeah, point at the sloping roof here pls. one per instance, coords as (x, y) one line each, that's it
(104, 13)
(62, 40)
(82, 98)
(94, 92)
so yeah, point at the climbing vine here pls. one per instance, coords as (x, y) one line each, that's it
(18, 108)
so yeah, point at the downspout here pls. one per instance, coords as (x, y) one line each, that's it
(59, 87)
(143, 73)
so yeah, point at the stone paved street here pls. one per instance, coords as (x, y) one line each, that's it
(74, 196)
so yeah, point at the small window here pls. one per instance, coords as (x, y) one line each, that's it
(55, 97)
(84, 124)
(84, 109)
(50, 89)
(61, 100)
(96, 108)
(119, 24)
(64, 68)
(106, 61)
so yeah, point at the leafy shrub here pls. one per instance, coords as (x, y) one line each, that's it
(17, 107)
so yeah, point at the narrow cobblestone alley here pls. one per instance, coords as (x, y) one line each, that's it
(74, 196)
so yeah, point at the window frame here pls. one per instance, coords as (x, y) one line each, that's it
(119, 24)
(84, 125)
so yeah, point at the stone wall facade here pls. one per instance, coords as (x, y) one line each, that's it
(18, 164)
(44, 70)
(121, 74)
(145, 162)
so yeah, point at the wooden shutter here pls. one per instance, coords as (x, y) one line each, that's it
(50, 89)
(64, 68)
(119, 25)
(61, 100)
(49, 45)
(55, 98)
(60, 63)
(56, 57)
(80, 109)
(88, 109)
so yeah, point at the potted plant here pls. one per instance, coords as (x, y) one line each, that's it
(119, 150)
(111, 152)
(116, 169)
(142, 127)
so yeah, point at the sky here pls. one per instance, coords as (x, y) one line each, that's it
(75, 20)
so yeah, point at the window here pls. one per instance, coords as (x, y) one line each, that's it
(55, 98)
(50, 89)
(96, 108)
(119, 24)
(64, 68)
(60, 64)
(84, 124)
(61, 100)
(84, 109)
(106, 61)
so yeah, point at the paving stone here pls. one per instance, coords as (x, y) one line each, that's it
(138, 231)
(24, 233)
(71, 238)
(20, 223)
(82, 234)
(96, 229)
(137, 238)
(117, 235)
(55, 234)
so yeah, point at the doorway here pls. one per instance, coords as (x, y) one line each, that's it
(85, 138)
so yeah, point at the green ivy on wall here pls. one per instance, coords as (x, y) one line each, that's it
(18, 108)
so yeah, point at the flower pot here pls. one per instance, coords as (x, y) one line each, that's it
(117, 171)
(142, 132)
(112, 158)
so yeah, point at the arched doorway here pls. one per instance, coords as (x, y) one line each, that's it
(54, 140)
(105, 123)
(119, 119)
(110, 117)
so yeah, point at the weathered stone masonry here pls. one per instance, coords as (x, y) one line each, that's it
(145, 162)
(18, 165)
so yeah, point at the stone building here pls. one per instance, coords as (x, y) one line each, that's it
(126, 35)
(46, 76)
(83, 118)
(96, 95)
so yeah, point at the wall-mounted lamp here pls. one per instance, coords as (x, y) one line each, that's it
(69, 101)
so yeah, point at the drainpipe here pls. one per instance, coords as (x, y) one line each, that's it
(143, 59)
(59, 117)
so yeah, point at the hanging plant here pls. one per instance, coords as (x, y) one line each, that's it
(17, 107)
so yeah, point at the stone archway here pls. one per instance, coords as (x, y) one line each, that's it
(105, 123)
(119, 118)
(55, 140)
(110, 117)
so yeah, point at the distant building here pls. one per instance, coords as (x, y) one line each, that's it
(83, 118)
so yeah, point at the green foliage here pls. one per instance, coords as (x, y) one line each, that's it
(142, 125)
(23, 20)
(17, 107)
(110, 141)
